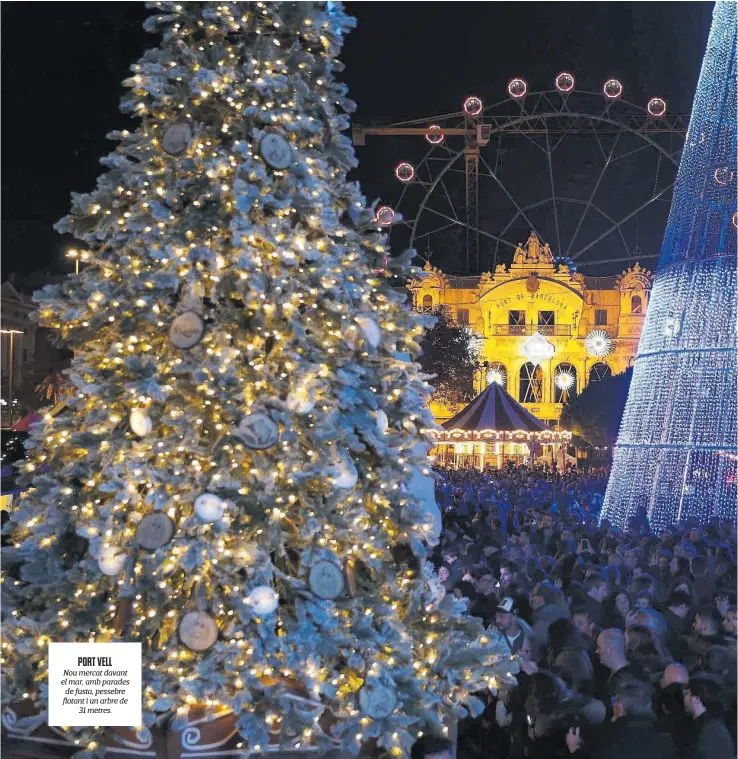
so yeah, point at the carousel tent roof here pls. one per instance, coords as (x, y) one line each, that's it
(24, 424)
(495, 409)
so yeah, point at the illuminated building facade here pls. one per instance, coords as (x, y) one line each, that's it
(546, 331)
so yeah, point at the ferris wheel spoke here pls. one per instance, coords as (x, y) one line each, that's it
(520, 211)
(436, 231)
(448, 197)
(553, 191)
(592, 194)
(460, 223)
(619, 224)
(544, 119)
(632, 152)
(622, 259)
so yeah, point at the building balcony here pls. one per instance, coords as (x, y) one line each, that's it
(525, 330)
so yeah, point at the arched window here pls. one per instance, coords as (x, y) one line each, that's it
(531, 383)
(427, 302)
(565, 382)
(599, 372)
(636, 305)
(497, 372)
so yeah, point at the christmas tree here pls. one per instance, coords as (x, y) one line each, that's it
(675, 457)
(240, 479)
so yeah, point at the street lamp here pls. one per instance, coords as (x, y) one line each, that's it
(12, 333)
(78, 255)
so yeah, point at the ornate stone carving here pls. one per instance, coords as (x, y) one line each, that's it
(533, 253)
(635, 278)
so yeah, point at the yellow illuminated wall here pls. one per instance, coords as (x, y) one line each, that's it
(556, 307)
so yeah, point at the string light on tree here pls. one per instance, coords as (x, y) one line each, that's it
(671, 326)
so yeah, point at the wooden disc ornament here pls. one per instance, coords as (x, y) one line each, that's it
(177, 139)
(276, 151)
(257, 431)
(198, 631)
(326, 580)
(140, 422)
(154, 531)
(377, 700)
(209, 507)
(186, 330)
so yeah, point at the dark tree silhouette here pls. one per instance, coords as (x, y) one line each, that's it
(596, 414)
(449, 353)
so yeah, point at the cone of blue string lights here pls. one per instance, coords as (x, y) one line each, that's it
(675, 458)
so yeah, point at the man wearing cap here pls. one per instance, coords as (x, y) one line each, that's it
(510, 627)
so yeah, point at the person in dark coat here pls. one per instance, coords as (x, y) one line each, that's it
(552, 709)
(668, 703)
(634, 732)
(704, 700)
(677, 618)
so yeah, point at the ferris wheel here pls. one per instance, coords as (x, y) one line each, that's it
(590, 172)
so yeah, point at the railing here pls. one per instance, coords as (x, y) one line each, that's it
(524, 330)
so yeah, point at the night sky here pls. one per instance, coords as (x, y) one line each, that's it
(63, 64)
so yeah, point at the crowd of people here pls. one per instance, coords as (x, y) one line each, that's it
(625, 640)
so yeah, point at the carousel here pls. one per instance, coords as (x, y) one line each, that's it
(495, 429)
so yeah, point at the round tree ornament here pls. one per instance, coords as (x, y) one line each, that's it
(249, 553)
(370, 330)
(299, 401)
(140, 422)
(198, 631)
(377, 700)
(111, 561)
(186, 330)
(209, 507)
(276, 150)
(177, 139)
(263, 599)
(154, 531)
(326, 580)
(257, 431)
(382, 422)
(347, 475)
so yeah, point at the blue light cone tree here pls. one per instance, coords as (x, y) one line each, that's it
(676, 454)
(239, 480)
